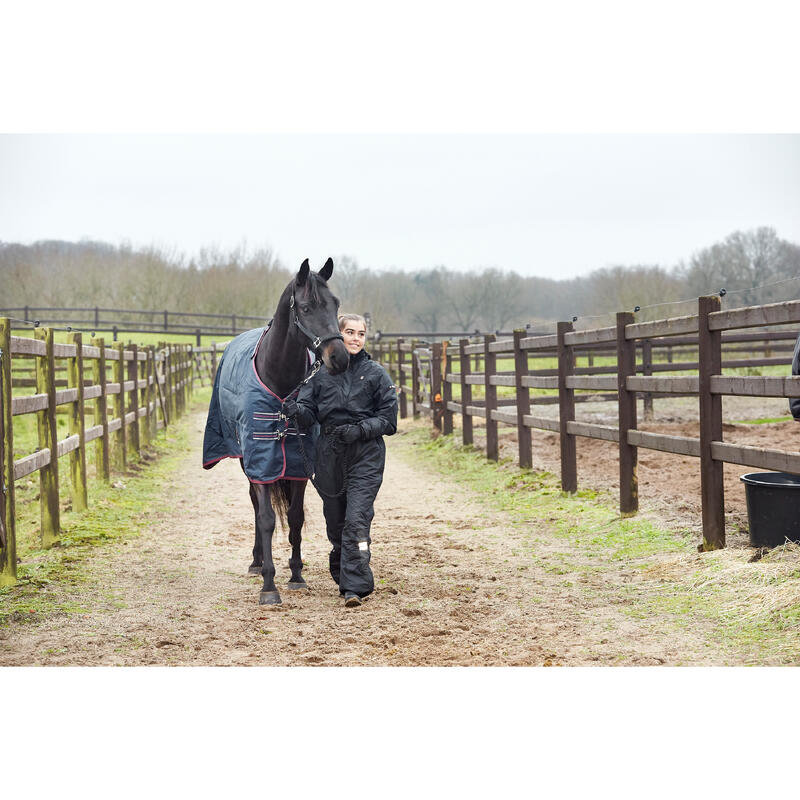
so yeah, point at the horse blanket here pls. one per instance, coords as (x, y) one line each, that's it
(245, 420)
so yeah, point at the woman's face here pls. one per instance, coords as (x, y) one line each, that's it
(355, 334)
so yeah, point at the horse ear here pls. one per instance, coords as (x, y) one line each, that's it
(326, 272)
(302, 274)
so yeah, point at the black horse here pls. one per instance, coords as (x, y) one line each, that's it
(305, 319)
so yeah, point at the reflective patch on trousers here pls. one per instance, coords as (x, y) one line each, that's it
(363, 546)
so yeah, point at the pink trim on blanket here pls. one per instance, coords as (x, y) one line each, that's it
(217, 460)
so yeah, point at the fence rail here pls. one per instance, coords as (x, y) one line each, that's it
(130, 393)
(426, 373)
(136, 321)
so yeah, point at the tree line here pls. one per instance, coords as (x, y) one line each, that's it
(753, 266)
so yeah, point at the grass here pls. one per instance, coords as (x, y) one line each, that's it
(116, 514)
(764, 420)
(743, 608)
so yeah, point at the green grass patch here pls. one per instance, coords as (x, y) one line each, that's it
(763, 420)
(742, 608)
(117, 512)
(586, 519)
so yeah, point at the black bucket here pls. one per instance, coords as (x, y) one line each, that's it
(773, 507)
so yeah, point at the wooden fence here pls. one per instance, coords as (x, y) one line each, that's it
(130, 392)
(132, 320)
(426, 375)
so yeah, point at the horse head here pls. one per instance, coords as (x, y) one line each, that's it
(315, 314)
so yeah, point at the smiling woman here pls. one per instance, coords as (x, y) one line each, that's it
(355, 409)
(354, 330)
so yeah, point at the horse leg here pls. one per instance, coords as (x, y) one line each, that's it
(296, 517)
(258, 557)
(265, 525)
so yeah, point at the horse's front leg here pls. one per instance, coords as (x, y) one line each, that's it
(265, 525)
(258, 557)
(296, 517)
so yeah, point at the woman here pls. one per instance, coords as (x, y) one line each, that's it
(355, 410)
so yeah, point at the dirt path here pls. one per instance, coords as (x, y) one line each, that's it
(456, 585)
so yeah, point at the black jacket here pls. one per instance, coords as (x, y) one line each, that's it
(794, 402)
(363, 394)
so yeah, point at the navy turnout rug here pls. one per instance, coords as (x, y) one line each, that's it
(244, 420)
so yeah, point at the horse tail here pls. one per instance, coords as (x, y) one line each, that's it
(280, 494)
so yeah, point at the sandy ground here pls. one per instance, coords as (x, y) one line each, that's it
(456, 583)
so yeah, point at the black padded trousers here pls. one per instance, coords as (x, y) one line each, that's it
(348, 516)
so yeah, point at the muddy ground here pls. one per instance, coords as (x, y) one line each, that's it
(454, 583)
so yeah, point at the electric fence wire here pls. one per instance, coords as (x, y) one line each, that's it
(723, 292)
(37, 323)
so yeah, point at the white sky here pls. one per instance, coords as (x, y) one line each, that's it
(414, 138)
(549, 205)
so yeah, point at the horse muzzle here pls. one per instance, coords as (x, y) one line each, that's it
(335, 356)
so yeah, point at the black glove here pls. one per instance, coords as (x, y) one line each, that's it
(289, 409)
(347, 433)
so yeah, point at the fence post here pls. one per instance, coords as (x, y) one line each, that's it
(711, 484)
(213, 361)
(48, 438)
(77, 425)
(628, 455)
(152, 397)
(447, 391)
(170, 397)
(133, 399)
(187, 366)
(490, 396)
(566, 410)
(647, 369)
(144, 396)
(414, 379)
(190, 362)
(182, 377)
(436, 385)
(101, 412)
(8, 538)
(523, 400)
(466, 394)
(163, 383)
(401, 379)
(178, 351)
(184, 355)
(120, 448)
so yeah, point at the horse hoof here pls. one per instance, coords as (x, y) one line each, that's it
(253, 569)
(269, 599)
(294, 586)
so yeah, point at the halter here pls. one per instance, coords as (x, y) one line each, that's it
(315, 340)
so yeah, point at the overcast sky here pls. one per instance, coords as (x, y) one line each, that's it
(428, 136)
(548, 205)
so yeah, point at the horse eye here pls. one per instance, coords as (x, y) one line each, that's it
(305, 308)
